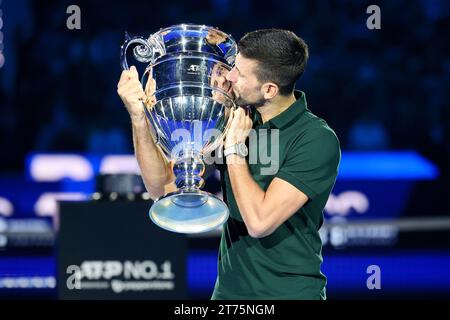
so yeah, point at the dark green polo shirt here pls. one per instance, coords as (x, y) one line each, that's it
(285, 264)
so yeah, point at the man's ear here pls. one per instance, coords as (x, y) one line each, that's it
(269, 90)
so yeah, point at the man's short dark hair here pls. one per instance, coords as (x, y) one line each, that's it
(281, 56)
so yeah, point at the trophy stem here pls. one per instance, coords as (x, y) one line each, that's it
(188, 169)
(189, 210)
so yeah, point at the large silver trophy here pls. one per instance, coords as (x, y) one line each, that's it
(189, 116)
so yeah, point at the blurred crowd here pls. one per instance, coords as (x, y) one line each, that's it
(379, 89)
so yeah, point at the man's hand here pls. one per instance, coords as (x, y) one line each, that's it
(132, 94)
(240, 127)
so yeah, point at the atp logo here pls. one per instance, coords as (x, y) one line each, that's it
(194, 68)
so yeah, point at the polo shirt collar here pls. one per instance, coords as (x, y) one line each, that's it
(293, 112)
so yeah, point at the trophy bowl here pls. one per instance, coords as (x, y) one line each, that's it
(188, 117)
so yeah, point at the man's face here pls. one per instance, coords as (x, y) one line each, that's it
(245, 85)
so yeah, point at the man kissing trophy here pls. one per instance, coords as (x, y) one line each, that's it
(188, 113)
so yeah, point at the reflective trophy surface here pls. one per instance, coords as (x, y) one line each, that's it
(188, 116)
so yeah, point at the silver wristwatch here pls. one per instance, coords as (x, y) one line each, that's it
(239, 148)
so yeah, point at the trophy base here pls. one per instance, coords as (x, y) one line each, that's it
(189, 212)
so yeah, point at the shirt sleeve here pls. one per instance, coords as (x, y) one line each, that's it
(312, 162)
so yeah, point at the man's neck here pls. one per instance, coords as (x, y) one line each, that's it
(275, 106)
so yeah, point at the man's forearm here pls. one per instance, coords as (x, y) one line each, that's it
(155, 169)
(249, 196)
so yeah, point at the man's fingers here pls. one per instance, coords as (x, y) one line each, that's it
(134, 72)
(128, 75)
(127, 91)
(240, 112)
(243, 118)
(231, 116)
(139, 93)
(150, 87)
(124, 77)
(131, 85)
(135, 97)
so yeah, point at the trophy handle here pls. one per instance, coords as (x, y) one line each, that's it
(146, 52)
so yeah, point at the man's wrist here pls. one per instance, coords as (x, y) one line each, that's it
(138, 119)
(239, 148)
(234, 159)
(230, 143)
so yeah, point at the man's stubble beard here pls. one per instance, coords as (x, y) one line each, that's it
(240, 102)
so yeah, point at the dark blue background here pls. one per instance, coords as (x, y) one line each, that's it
(383, 91)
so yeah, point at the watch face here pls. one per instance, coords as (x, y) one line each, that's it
(243, 150)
